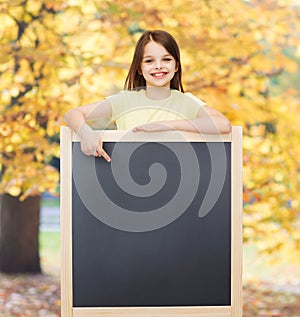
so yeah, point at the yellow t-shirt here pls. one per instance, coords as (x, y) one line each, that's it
(134, 108)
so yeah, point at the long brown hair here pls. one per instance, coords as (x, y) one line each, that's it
(135, 79)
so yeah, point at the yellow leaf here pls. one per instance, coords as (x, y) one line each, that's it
(15, 138)
(9, 148)
(234, 89)
(14, 191)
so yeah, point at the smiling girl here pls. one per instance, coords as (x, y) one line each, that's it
(153, 98)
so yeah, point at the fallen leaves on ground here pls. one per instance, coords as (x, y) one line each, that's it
(29, 296)
(39, 296)
(266, 299)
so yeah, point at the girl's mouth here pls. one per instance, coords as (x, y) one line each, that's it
(159, 75)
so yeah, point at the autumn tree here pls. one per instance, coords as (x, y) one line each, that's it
(34, 83)
(60, 54)
(28, 134)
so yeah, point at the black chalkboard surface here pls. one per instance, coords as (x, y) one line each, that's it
(184, 263)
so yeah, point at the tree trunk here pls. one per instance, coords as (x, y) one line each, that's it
(19, 228)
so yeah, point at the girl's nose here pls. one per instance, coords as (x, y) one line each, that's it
(157, 65)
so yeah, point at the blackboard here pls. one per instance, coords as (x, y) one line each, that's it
(186, 262)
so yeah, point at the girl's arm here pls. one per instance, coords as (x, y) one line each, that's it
(76, 118)
(208, 121)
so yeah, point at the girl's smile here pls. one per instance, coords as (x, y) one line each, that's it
(159, 75)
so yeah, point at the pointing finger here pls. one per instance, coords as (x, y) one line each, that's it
(104, 155)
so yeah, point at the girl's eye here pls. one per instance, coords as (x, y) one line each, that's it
(166, 59)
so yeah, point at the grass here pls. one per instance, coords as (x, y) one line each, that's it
(275, 268)
(53, 202)
(50, 252)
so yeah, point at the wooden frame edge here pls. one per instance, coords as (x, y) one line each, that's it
(167, 136)
(66, 221)
(197, 311)
(236, 222)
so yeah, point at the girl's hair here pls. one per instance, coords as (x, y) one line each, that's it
(135, 79)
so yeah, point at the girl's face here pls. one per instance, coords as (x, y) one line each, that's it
(158, 66)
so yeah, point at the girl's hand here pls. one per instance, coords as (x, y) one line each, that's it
(153, 127)
(91, 144)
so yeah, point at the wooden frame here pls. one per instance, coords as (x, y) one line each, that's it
(234, 310)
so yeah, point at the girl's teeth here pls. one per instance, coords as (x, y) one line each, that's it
(158, 74)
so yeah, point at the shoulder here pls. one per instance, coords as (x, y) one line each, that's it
(123, 95)
(188, 98)
(193, 98)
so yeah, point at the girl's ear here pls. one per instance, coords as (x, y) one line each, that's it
(176, 69)
(140, 71)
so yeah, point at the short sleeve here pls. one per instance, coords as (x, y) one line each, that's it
(193, 104)
(117, 103)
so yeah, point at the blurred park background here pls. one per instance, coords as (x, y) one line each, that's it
(241, 56)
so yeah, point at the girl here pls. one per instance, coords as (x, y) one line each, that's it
(153, 99)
